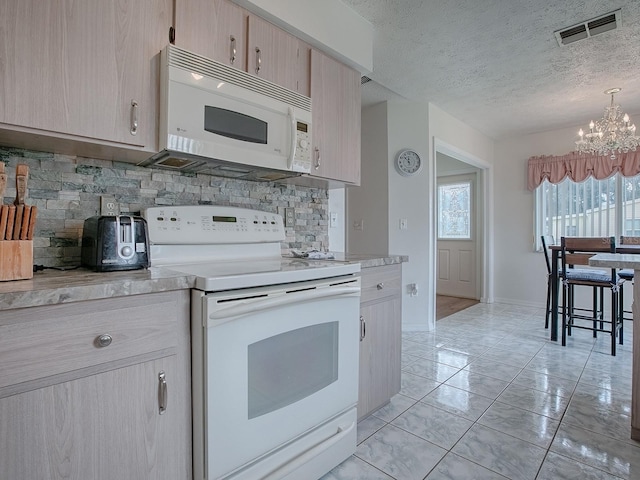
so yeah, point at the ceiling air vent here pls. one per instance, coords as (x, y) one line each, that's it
(587, 29)
(364, 79)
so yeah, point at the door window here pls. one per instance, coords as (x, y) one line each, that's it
(454, 211)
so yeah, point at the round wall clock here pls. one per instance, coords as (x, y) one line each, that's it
(408, 162)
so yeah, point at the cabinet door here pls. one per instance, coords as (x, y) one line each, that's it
(216, 29)
(102, 427)
(81, 68)
(335, 96)
(277, 56)
(380, 352)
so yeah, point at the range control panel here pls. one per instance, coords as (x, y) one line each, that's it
(212, 224)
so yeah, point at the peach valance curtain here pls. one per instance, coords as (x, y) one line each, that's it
(578, 167)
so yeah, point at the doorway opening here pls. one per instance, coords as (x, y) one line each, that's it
(460, 230)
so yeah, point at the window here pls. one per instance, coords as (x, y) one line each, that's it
(609, 207)
(454, 211)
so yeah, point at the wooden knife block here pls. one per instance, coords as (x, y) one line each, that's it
(16, 260)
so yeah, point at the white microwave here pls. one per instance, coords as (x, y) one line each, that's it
(222, 121)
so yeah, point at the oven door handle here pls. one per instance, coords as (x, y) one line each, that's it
(307, 455)
(232, 312)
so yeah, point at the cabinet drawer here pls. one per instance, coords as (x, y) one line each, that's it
(42, 341)
(380, 282)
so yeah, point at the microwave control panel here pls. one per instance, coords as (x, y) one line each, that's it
(302, 158)
(212, 224)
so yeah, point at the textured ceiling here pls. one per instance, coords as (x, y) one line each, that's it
(496, 64)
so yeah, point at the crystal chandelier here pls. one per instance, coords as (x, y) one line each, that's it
(612, 133)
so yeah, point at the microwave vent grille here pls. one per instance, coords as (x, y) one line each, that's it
(194, 63)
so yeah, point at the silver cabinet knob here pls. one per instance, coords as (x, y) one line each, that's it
(380, 286)
(103, 340)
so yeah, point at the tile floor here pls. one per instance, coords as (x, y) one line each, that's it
(488, 396)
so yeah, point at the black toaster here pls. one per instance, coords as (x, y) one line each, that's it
(115, 243)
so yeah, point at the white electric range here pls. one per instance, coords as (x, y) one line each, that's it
(275, 344)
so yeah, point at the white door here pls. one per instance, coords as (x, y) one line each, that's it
(457, 237)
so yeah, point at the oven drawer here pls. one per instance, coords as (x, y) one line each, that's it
(380, 282)
(43, 341)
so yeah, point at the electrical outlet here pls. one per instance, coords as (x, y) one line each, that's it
(290, 217)
(109, 206)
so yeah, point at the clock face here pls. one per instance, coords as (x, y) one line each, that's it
(408, 162)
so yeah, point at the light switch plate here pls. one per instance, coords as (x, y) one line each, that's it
(333, 219)
(403, 224)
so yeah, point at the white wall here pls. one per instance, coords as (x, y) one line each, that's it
(520, 272)
(386, 129)
(408, 127)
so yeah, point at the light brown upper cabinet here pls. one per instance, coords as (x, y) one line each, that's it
(335, 99)
(277, 56)
(83, 70)
(216, 29)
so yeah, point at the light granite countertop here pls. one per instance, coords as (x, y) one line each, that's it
(51, 287)
(615, 260)
(370, 260)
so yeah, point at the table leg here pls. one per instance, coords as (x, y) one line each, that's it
(555, 286)
(635, 379)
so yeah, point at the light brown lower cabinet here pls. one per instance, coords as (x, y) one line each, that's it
(126, 418)
(381, 337)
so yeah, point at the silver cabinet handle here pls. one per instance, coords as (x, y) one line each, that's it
(380, 286)
(363, 328)
(162, 392)
(103, 340)
(134, 117)
(258, 60)
(317, 165)
(233, 49)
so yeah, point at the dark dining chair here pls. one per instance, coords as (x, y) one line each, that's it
(576, 251)
(627, 275)
(548, 240)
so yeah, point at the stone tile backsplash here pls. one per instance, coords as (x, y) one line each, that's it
(67, 190)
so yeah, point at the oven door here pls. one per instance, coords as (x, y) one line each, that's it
(277, 362)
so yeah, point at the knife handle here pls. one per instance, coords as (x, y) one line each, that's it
(32, 222)
(25, 222)
(21, 189)
(4, 214)
(3, 183)
(10, 217)
(17, 222)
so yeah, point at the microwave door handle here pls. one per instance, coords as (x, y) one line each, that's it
(292, 150)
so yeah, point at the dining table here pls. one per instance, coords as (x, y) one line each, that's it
(628, 258)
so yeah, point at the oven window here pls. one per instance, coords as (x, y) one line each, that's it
(291, 366)
(234, 125)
